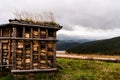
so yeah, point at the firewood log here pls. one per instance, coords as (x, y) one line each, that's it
(18, 59)
(19, 67)
(35, 42)
(35, 64)
(5, 47)
(43, 51)
(42, 54)
(27, 51)
(43, 32)
(27, 35)
(20, 45)
(28, 56)
(35, 48)
(42, 61)
(19, 62)
(50, 45)
(35, 33)
(27, 60)
(19, 51)
(50, 53)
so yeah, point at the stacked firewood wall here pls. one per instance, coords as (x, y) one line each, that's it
(27, 48)
(5, 48)
(35, 49)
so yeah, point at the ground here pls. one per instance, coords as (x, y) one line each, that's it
(74, 69)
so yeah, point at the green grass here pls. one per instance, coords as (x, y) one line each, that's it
(70, 69)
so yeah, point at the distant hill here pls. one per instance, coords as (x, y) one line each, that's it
(107, 46)
(66, 44)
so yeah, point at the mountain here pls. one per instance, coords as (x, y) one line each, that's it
(107, 46)
(66, 44)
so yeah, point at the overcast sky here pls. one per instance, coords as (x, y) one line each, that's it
(94, 19)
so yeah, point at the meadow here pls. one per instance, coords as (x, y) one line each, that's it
(71, 69)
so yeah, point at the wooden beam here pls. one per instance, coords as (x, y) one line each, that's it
(46, 54)
(23, 48)
(33, 70)
(31, 47)
(31, 55)
(14, 49)
(39, 49)
(17, 38)
(54, 55)
(0, 47)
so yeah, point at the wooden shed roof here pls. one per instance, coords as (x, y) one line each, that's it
(30, 24)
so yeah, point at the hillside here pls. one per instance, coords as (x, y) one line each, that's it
(107, 46)
(66, 44)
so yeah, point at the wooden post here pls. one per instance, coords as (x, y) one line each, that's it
(46, 55)
(54, 55)
(14, 49)
(0, 47)
(54, 33)
(31, 52)
(23, 48)
(38, 49)
(46, 33)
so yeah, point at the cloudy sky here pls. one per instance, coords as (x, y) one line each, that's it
(89, 19)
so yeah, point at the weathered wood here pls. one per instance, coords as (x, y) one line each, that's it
(45, 27)
(24, 48)
(54, 56)
(46, 55)
(39, 48)
(17, 38)
(0, 46)
(33, 70)
(30, 50)
(31, 54)
(6, 65)
(14, 49)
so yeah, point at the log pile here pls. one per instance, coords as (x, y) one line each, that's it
(28, 48)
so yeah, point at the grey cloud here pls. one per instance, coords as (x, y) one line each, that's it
(94, 14)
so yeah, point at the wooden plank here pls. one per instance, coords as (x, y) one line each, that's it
(23, 48)
(33, 25)
(23, 32)
(24, 54)
(9, 47)
(38, 49)
(54, 33)
(33, 70)
(14, 49)
(46, 33)
(0, 47)
(1, 32)
(31, 32)
(31, 55)
(31, 52)
(6, 65)
(38, 32)
(17, 38)
(46, 55)
(1, 53)
(54, 55)
(39, 55)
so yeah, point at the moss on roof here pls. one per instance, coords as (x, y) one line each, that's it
(45, 23)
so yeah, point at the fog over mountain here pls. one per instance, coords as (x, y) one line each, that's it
(94, 19)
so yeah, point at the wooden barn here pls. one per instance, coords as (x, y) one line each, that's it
(27, 46)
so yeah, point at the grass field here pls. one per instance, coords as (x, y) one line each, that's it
(70, 69)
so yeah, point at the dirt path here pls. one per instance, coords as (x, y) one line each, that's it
(61, 54)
